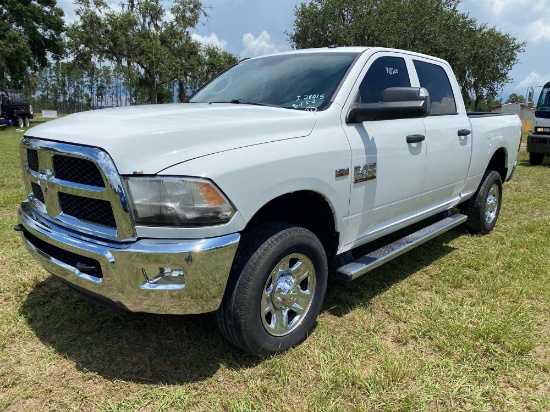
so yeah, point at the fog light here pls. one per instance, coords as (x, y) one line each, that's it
(166, 279)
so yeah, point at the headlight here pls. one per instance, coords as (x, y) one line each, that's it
(173, 201)
(542, 130)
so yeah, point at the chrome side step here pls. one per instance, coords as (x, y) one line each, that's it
(377, 258)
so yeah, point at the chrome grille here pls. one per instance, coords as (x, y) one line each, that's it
(90, 210)
(74, 169)
(37, 192)
(32, 157)
(78, 187)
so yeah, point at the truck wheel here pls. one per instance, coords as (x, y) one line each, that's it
(19, 121)
(26, 121)
(483, 207)
(536, 158)
(275, 291)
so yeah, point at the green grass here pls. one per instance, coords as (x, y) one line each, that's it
(461, 323)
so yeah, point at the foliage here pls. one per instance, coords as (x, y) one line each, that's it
(515, 98)
(480, 56)
(486, 103)
(30, 30)
(148, 44)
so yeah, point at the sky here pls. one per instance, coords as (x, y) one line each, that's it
(250, 28)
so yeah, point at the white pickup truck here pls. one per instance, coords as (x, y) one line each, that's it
(235, 201)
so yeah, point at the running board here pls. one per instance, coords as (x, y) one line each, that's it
(364, 264)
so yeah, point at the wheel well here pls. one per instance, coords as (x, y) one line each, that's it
(306, 209)
(498, 163)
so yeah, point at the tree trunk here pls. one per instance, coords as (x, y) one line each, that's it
(153, 80)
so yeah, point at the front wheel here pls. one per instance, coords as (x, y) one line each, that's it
(483, 207)
(275, 290)
(536, 158)
(26, 122)
(20, 121)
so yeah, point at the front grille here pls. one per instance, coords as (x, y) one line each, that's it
(37, 192)
(74, 169)
(32, 159)
(69, 258)
(79, 186)
(90, 210)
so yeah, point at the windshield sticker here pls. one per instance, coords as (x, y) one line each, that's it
(306, 101)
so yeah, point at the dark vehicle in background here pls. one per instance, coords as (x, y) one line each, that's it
(14, 109)
(538, 143)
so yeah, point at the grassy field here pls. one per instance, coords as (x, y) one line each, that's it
(461, 323)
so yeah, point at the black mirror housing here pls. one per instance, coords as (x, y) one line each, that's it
(395, 103)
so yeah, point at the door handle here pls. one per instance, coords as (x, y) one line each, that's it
(415, 138)
(464, 132)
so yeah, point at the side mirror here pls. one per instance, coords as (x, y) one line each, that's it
(396, 103)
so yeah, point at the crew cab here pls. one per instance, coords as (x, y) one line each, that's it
(236, 201)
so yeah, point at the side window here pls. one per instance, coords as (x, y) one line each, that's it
(434, 78)
(385, 72)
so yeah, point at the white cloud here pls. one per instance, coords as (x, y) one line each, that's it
(211, 40)
(116, 7)
(539, 30)
(507, 6)
(258, 46)
(532, 79)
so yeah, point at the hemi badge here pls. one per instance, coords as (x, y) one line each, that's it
(342, 172)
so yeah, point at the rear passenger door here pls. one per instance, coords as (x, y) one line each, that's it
(448, 134)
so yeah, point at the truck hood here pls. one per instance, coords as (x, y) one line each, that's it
(151, 138)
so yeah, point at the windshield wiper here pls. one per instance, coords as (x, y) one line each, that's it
(243, 101)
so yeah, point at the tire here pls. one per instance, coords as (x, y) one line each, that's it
(483, 208)
(279, 271)
(26, 122)
(536, 158)
(19, 121)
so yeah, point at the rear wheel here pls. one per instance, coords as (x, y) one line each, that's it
(26, 121)
(536, 158)
(20, 121)
(483, 207)
(276, 289)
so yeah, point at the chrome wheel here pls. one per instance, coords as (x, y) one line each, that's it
(287, 294)
(491, 205)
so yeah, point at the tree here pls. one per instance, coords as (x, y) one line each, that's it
(480, 56)
(488, 103)
(150, 50)
(515, 98)
(30, 30)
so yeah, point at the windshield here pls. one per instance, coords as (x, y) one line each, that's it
(544, 100)
(293, 81)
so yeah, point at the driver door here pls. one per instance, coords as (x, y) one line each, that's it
(387, 172)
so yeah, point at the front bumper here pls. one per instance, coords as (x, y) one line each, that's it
(132, 276)
(538, 143)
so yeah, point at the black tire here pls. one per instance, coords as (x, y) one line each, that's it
(483, 207)
(536, 158)
(26, 122)
(19, 121)
(257, 283)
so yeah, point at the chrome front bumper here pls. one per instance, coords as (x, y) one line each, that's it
(148, 275)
